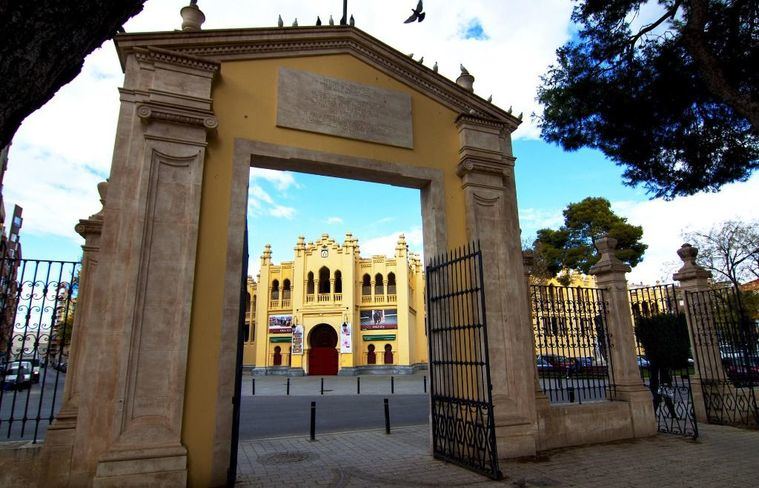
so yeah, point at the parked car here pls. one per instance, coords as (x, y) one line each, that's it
(742, 371)
(35, 370)
(590, 365)
(543, 364)
(643, 362)
(560, 363)
(18, 375)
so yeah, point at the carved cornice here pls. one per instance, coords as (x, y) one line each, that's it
(155, 54)
(476, 165)
(240, 44)
(148, 112)
(469, 119)
(88, 227)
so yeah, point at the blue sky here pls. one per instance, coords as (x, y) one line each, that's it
(64, 149)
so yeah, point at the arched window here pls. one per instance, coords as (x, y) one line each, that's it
(371, 356)
(275, 290)
(277, 356)
(338, 282)
(391, 284)
(310, 283)
(286, 289)
(388, 354)
(324, 280)
(379, 285)
(366, 285)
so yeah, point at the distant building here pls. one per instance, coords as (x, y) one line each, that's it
(10, 256)
(331, 311)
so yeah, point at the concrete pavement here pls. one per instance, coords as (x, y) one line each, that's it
(722, 457)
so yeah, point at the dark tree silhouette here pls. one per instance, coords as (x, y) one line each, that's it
(43, 44)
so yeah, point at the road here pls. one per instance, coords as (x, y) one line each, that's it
(29, 404)
(272, 416)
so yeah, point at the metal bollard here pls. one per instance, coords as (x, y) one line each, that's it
(387, 417)
(358, 385)
(392, 384)
(253, 386)
(313, 421)
(322, 389)
(425, 383)
(288, 386)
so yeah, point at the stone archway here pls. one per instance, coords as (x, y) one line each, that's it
(322, 353)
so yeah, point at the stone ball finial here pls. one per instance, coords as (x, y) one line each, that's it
(609, 262)
(465, 79)
(690, 269)
(192, 17)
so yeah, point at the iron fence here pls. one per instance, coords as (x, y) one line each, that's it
(37, 306)
(661, 335)
(726, 347)
(572, 343)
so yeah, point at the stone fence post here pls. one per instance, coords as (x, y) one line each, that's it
(609, 272)
(693, 279)
(59, 448)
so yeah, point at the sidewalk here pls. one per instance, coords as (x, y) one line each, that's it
(412, 384)
(722, 457)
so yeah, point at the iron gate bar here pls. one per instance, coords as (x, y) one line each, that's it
(37, 303)
(726, 355)
(460, 385)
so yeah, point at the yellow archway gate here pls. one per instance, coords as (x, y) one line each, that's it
(198, 109)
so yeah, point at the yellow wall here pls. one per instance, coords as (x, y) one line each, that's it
(245, 104)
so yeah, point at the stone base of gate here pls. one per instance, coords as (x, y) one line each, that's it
(20, 463)
(565, 425)
(58, 450)
(148, 467)
(515, 440)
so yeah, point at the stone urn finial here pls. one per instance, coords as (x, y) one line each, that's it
(690, 269)
(192, 17)
(465, 80)
(609, 262)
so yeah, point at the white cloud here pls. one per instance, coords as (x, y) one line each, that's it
(334, 220)
(282, 180)
(283, 212)
(664, 223)
(385, 245)
(533, 219)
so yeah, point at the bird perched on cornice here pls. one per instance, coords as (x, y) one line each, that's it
(520, 115)
(421, 60)
(331, 20)
(280, 22)
(352, 22)
(490, 98)
(411, 55)
(434, 67)
(295, 22)
(318, 20)
(463, 70)
(417, 14)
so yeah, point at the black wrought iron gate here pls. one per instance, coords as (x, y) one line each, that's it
(663, 344)
(726, 347)
(463, 429)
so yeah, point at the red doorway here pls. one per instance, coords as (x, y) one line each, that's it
(322, 357)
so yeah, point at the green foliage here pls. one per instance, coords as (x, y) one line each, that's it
(675, 102)
(571, 246)
(665, 339)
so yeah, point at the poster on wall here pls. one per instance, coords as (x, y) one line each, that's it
(297, 345)
(280, 324)
(379, 319)
(346, 341)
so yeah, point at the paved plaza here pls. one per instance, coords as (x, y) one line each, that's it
(410, 384)
(721, 457)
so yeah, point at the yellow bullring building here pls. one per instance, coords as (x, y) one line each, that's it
(330, 311)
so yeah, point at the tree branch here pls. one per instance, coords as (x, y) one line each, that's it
(710, 68)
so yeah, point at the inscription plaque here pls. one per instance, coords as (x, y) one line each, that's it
(316, 103)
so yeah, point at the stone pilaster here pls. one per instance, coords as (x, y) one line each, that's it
(694, 278)
(486, 169)
(610, 275)
(58, 448)
(130, 418)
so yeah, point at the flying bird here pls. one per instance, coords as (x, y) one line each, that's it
(417, 14)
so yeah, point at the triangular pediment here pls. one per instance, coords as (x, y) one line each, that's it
(245, 44)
